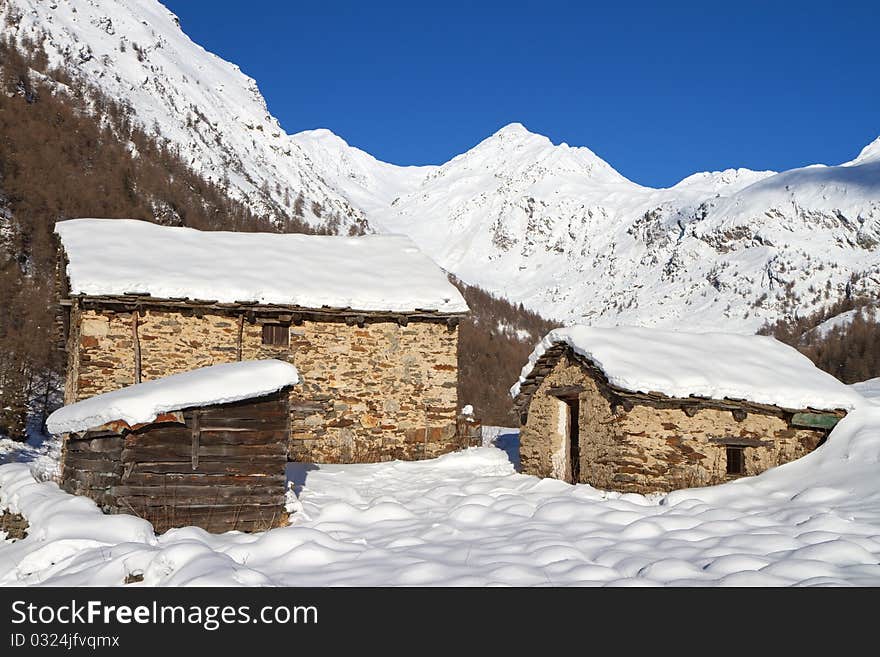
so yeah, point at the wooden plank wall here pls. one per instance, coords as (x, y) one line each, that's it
(223, 469)
(92, 466)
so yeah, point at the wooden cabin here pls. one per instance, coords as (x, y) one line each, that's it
(370, 322)
(644, 410)
(175, 456)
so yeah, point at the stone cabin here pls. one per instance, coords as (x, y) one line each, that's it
(370, 322)
(644, 410)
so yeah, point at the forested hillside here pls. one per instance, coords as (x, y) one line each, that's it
(67, 150)
(496, 340)
(843, 339)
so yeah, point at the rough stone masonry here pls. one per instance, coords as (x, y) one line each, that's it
(648, 448)
(372, 391)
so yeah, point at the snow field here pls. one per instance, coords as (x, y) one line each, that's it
(869, 389)
(468, 519)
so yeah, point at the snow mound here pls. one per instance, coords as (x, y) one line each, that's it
(371, 273)
(753, 368)
(869, 389)
(467, 519)
(143, 402)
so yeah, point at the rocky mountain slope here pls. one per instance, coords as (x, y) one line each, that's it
(551, 226)
(135, 51)
(557, 228)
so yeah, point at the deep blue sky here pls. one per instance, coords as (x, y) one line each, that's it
(660, 90)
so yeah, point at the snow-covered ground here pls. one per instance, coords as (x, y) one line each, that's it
(505, 439)
(869, 389)
(468, 519)
(40, 451)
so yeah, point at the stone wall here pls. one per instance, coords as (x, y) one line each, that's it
(171, 343)
(371, 393)
(648, 448)
(100, 354)
(13, 525)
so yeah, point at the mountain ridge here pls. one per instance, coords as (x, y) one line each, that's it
(552, 226)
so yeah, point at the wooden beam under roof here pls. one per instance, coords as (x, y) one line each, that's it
(131, 302)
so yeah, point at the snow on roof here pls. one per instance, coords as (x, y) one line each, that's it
(144, 402)
(370, 273)
(753, 368)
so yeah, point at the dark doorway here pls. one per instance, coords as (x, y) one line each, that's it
(574, 439)
(736, 463)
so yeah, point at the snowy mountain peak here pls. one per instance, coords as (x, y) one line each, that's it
(869, 153)
(514, 151)
(516, 135)
(513, 137)
(513, 130)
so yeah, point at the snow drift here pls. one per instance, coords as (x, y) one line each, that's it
(468, 519)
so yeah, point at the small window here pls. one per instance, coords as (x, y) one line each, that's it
(736, 463)
(276, 335)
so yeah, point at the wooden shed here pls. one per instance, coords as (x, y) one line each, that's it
(646, 410)
(206, 448)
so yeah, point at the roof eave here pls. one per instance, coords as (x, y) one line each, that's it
(141, 299)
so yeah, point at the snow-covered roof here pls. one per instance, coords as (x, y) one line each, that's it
(752, 368)
(144, 402)
(369, 273)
